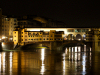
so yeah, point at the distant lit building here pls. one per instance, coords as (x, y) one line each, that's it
(22, 36)
(93, 35)
(8, 25)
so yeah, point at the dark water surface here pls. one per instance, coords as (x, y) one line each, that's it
(46, 62)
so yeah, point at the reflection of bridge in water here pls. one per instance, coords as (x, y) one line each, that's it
(55, 45)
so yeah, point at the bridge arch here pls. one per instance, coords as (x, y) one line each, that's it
(70, 37)
(78, 37)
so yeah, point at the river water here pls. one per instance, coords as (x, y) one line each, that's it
(47, 62)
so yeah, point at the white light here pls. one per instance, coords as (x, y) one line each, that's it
(84, 35)
(2, 44)
(0, 39)
(10, 38)
(3, 37)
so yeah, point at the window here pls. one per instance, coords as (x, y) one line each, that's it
(31, 39)
(14, 40)
(77, 30)
(47, 39)
(33, 33)
(70, 30)
(22, 39)
(15, 36)
(22, 36)
(44, 36)
(14, 20)
(22, 32)
(25, 39)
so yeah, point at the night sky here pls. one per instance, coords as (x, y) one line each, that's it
(76, 13)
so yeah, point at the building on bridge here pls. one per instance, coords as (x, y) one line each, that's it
(48, 34)
(22, 36)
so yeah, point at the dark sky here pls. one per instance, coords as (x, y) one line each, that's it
(76, 13)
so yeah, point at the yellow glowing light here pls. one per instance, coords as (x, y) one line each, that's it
(2, 44)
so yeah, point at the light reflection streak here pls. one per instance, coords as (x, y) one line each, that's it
(4, 62)
(69, 49)
(75, 56)
(79, 49)
(10, 63)
(42, 59)
(84, 47)
(90, 48)
(64, 63)
(75, 49)
(0, 63)
(66, 51)
(84, 64)
(72, 49)
(79, 56)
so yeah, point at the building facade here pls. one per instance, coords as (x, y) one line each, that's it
(22, 36)
(8, 25)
